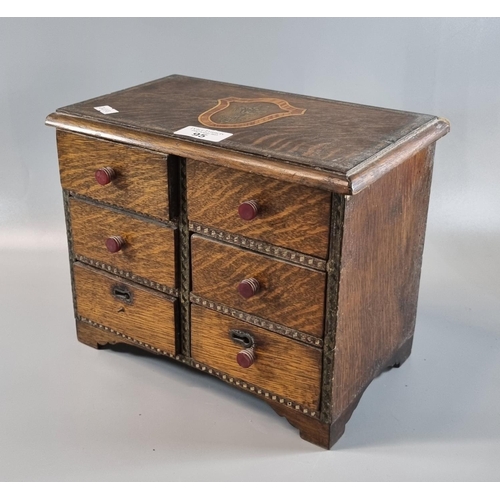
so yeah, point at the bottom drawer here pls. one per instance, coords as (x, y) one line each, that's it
(145, 315)
(282, 366)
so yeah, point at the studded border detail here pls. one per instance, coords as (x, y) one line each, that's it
(69, 235)
(127, 274)
(185, 263)
(332, 284)
(130, 339)
(255, 320)
(260, 246)
(246, 386)
(123, 210)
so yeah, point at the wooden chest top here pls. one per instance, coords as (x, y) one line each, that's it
(335, 145)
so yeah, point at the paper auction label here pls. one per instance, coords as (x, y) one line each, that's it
(106, 110)
(205, 134)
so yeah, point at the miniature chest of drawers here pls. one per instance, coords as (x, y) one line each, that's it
(271, 240)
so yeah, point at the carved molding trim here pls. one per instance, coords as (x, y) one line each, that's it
(185, 263)
(125, 211)
(332, 285)
(257, 321)
(128, 275)
(69, 235)
(251, 388)
(259, 246)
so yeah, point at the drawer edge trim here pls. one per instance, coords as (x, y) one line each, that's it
(171, 224)
(127, 275)
(251, 319)
(236, 382)
(259, 246)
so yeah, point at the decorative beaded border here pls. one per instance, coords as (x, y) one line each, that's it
(257, 321)
(125, 211)
(251, 388)
(260, 246)
(127, 274)
(184, 263)
(71, 256)
(332, 285)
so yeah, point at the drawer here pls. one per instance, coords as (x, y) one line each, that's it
(140, 181)
(288, 293)
(148, 249)
(283, 366)
(288, 215)
(145, 315)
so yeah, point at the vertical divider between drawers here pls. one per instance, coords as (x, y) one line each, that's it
(183, 256)
(331, 302)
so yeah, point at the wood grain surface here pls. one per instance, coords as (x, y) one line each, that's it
(282, 365)
(141, 183)
(331, 135)
(148, 316)
(149, 249)
(290, 294)
(382, 247)
(290, 215)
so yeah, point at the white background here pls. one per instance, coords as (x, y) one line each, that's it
(69, 412)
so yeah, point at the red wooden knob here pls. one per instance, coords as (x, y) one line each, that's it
(246, 357)
(104, 175)
(248, 210)
(114, 243)
(248, 287)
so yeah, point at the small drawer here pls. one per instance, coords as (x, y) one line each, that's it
(284, 214)
(280, 365)
(131, 244)
(134, 179)
(282, 292)
(145, 315)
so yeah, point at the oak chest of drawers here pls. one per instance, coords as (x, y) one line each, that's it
(271, 240)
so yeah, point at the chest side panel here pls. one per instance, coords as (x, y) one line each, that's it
(384, 229)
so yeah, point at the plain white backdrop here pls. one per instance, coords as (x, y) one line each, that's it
(72, 413)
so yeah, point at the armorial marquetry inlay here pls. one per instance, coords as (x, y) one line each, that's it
(235, 112)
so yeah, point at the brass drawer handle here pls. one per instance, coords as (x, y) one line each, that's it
(248, 287)
(248, 210)
(105, 175)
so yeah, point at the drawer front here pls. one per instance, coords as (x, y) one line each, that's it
(283, 366)
(145, 315)
(148, 249)
(140, 183)
(288, 294)
(288, 215)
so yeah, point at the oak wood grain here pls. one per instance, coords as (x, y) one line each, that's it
(382, 247)
(289, 294)
(149, 249)
(282, 365)
(338, 146)
(269, 167)
(331, 135)
(141, 183)
(290, 215)
(148, 316)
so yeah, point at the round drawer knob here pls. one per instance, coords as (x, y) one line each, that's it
(248, 287)
(246, 357)
(104, 175)
(114, 243)
(248, 210)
